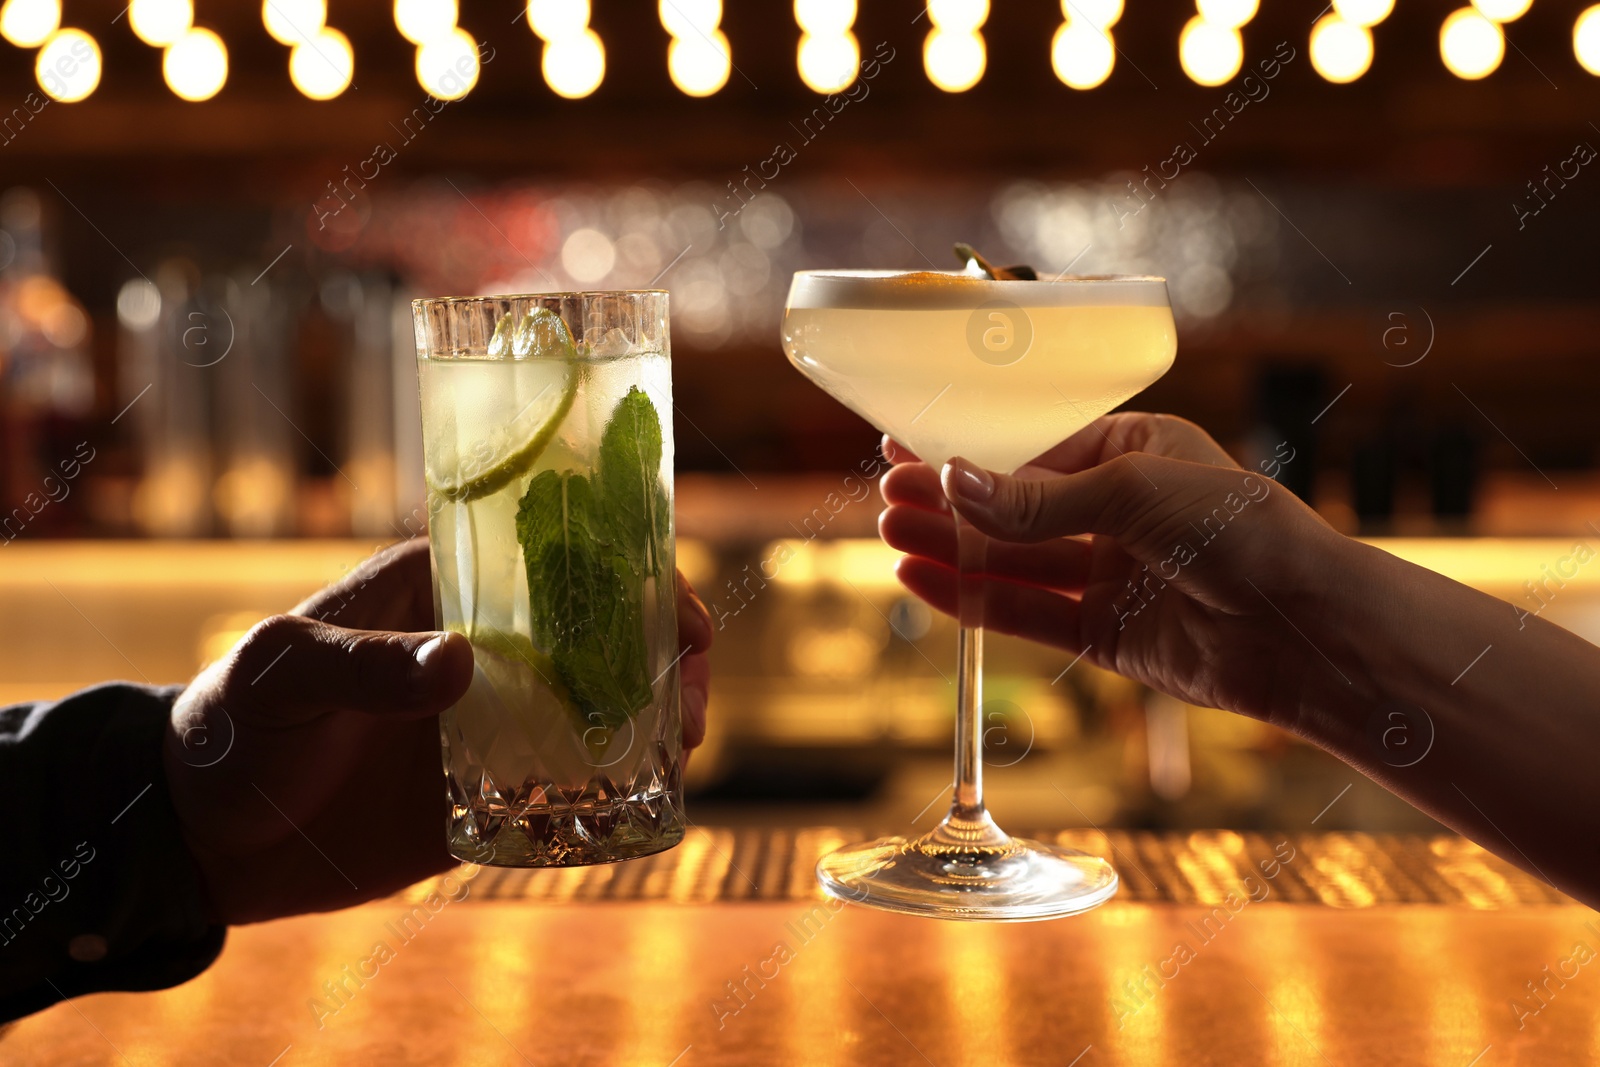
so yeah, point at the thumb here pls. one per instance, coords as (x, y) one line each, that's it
(291, 666)
(1104, 499)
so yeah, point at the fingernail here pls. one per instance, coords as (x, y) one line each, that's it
(970, 481)
(422, 661)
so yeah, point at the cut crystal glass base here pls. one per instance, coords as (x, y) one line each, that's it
(545, 825)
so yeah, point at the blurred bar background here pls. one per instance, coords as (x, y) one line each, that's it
(1379, 243)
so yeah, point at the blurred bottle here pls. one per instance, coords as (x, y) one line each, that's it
(46, 375)
(170, 341)
(254, 492)
(369, 396)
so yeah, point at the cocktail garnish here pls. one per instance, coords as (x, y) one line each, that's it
(589, 546)
(969, 256)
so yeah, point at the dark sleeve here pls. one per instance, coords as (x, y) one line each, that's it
(98, 892)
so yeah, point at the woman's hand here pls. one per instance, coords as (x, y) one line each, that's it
(1137, 543)
(304, 766)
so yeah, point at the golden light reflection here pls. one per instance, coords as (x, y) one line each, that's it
(1344, 874)
(654, 1029)
(976, 997)
(1138, 997)
(814, 990)
(1463, 864)
(1455, 1018)
(1295, 998)
(1209, 868)
(506, 974)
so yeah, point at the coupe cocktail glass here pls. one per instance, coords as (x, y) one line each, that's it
(996, 372)
(547, 434)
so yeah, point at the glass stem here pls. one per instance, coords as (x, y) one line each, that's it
(967, 804)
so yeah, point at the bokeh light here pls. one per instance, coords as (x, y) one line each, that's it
(1082, 54)
(425, 21)
(1363, 12)
(1470, 45)
(828, 63)
(574, 64)
(1502, 10)
(958, 16)
(292, 21)
(196, 65)
(1210, 54)
(29, 23)
(1586, 39)
(1340, 51)
(588, 255)
(159, 23)
(1101, 13)
(690, 18)
(68, 66)
(699, 65)
(825, 18)
(447, 66)
(553, 20)
(322, 66)
(955, 61)
(1229, 14)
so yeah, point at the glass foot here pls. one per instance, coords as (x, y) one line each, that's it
(1004, 879)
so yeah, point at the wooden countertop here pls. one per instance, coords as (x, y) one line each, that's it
(648, 984)
(1356, 950)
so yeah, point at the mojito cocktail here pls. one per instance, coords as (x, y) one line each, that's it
(547, 434)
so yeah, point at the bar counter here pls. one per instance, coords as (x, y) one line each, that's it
(1352, 950)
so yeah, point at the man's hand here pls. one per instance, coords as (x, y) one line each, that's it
(304, 766)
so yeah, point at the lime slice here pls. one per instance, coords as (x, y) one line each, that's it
(516, 686)
(505, 434)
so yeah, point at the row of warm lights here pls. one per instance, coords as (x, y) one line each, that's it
(1083, 53)
(574, 60)
(829, 54)
(1210, 48)
(447, 63)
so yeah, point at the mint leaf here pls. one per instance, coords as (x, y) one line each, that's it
(587, 610)
(589, 546)
(630, 481)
